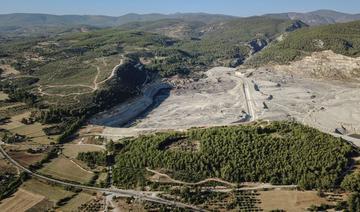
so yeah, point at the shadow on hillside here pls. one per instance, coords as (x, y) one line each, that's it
(159, 98)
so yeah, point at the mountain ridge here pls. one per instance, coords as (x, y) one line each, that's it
(318, 17)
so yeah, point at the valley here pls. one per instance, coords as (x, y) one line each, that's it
(180, 112)
(269, 93)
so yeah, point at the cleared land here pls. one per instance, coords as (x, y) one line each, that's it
(64, 169)
(3, 96)
(102, 177)
(26, 159)
(274, 92)
(5, 166)
(8, 70)
(220, 94)
(323, 104)
(52, 193)
(33, 131)
(77, 201)
(72, 150)
(295, 201)
(22, 200)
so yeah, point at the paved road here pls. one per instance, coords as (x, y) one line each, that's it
(249, 99)
(121, 192)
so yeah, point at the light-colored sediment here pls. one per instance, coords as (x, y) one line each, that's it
(216, 100)
(324, 65)
(268, 93)
(123, 113)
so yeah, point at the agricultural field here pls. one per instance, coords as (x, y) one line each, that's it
(51, 192)
(65, 169)
(77, 201)
(290, 200)
(72, 150)
(6, 167)
(10, 109)
(34, 132)
(26, 159)
(22, 200)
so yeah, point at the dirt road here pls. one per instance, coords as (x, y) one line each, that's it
(147, 196)
(93, 88)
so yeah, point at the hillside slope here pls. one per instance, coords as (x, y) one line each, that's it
(230, 43)
(24, 23)
(319, 17)
(340, 38)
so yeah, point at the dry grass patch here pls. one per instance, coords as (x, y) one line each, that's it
(33, 131)
(122, 205)
(6, 167)
(51, 192)
(102, 177)
(3, 96)
(289, 200)
(15, 121)
(24, 158)
(185, 145)
(8, 70)
(77, 201)
(64, 169)
(72, 150)
(11, 105)
(106, 66)
(22, 200)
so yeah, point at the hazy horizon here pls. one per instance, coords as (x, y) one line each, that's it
(240, 8)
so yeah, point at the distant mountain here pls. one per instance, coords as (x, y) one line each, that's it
(20, 19)
(23, 22)
(178, 25)
(319, 17)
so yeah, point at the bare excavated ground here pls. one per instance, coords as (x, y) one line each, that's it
(215, 100)
(332, 101)
(325, 105)
(285, 92)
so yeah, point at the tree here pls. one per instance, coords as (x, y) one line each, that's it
(354, 202)
(351, 182)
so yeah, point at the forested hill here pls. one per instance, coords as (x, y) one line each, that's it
(319, 17)
(279, 153)
(67, 75)
(29, 19)
(28, 24)
(340, 38)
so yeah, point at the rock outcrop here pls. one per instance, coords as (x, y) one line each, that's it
(325, 64)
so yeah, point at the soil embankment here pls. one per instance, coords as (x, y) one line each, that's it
(124, 113)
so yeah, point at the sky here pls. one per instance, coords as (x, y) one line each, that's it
(121, 7)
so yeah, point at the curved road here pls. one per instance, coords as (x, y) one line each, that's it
(120, 192)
